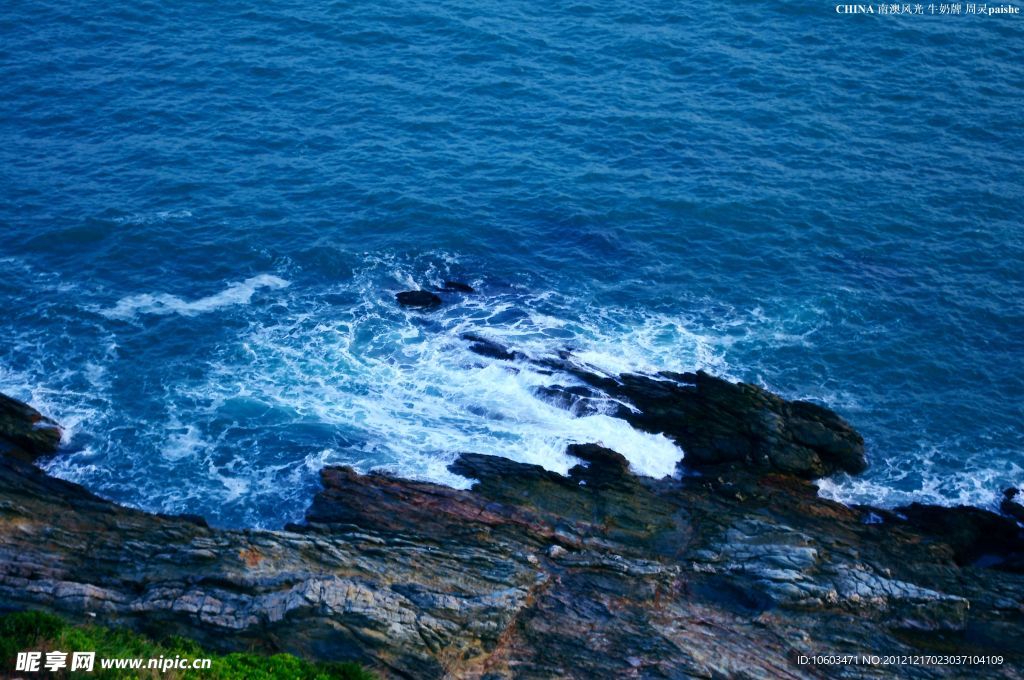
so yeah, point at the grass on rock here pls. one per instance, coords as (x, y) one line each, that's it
(38, 631)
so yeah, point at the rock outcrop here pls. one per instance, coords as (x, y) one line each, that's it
(25, 433)
(722, 423)
(489, 348)
(532, 574)
(422, 299)
(716, 422)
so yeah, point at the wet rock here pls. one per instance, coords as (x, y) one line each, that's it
(718, 422)
(418, 298)
(456, 287)
(975, 535)
(722, 423)
(600, 467)
(489, 348)
(579, 399)
(25, 433)
(1011, 506)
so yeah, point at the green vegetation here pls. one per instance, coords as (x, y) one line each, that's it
(37, 631)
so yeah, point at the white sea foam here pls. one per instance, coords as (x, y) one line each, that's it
(374, 386)
(415, 397)
(72, 409)
(980, 486)
(153, 218)
(403, 391)
(382, 388)
(240, 293)
(184, 442)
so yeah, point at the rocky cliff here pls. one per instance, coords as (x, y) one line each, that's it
(737, 570)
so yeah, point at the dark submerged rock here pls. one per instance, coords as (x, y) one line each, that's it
(25, 433)
(1011, 506)
(489, 348)
(418, 298)
(456, 287)
(579, 399)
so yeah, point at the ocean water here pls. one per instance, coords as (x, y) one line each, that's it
(206, 210)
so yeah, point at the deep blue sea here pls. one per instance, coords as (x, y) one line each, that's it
(207, 208)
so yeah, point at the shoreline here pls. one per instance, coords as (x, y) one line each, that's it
(742, 570)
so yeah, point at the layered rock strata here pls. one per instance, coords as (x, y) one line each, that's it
(737, 572)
